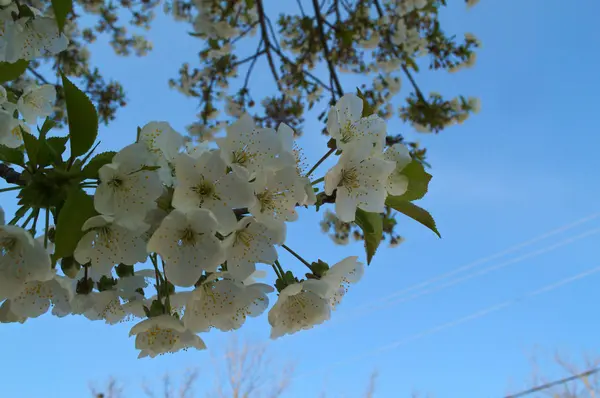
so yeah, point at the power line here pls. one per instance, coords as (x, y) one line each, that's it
(555, 383)
(475, 274)
(484, 260)
(459, 321)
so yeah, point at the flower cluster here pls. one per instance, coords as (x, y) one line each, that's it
(204, 217)
(196, 220)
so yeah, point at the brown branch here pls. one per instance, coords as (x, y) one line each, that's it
(326, 52)
(10, 175)
(268, 45)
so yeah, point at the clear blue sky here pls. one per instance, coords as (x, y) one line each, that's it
(525, 165)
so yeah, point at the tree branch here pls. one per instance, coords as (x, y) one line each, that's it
(10, 175)
(37, 75)
(326, 52)
(268, 45)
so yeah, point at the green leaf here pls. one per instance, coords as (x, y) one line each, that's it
(12, 155)
(91, 169)
(372, 227)
(368, 110)
(51, 150)
(61, 9)
(32, 147)
(82, 117)
(418, 181)
(9, 72)
(413, 211)
(78, 208)
(46, 127)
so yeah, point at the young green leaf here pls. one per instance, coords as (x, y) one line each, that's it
(32, 147)
(12, 155)
(9, 72)
(372, 227)
(78, 207)
(418, 181)
(51, 150)
(367, 109)
(46, 127)
(61, 9)
(91, 169)
(82, 118)
(413, 211)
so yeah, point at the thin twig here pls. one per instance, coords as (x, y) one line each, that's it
(326, 52)
(265, 36)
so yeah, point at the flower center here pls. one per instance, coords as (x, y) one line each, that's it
(349, 179)
(188, 237)
(241, 157)
(206, 190)
(115, 182)
(243, 237)
(266, 200)
(348, 132)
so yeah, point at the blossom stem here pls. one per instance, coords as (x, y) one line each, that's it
(167, 299)
(35, 220)
(281, 271)
(46, 227)
(318, 180)
(293, 253)
(9, 189)
(332, 150)
(279, 276)
(29, 217)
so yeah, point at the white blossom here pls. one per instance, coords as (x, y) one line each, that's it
(333, 285)
(397, 183)
(346, 124)
(162, 334)
(164, 143)
(252, 242)
(36, 101)
(360, 182)
(37, 296)
(10, 130)
(205, 182)
(7, 316)
(297, 308)
(107, 243)
(277, 194)
(224, 304)
(127, 191)
(188, 245)
(249, 149)
(29, 38)
(22, 259)
(105, 305)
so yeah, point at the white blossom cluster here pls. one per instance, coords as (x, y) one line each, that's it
(198, 218)
(210, 215)
(28, 38)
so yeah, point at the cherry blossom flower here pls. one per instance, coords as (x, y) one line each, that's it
(187, 243)
(127, 190)
(360, 182)
(108, 243)
(252, 242)
(162, 334)
(205, 183)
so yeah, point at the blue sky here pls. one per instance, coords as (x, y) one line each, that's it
(522, 167)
